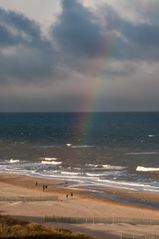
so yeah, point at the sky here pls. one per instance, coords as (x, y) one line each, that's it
(79, 55)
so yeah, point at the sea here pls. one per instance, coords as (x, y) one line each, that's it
(86, 150)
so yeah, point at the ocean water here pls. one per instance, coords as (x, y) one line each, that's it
(88, 150)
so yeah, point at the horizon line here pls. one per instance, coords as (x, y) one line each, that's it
(133, 111)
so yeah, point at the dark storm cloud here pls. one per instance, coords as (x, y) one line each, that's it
(84, 47)
(80, 33)
(78, 30)
(142, 34)
(139, 42)
(80, 36)
(17, 29)
(24, 52)
(134, 40)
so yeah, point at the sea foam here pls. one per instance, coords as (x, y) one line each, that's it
(14, 160)
(51, 162)
(111, 167)
(69, 173)
(92, 165)
(146, 169)
(151, 135)
(50, 159)
(94, 174)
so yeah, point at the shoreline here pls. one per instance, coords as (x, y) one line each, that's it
(81, 205)
(149, 200)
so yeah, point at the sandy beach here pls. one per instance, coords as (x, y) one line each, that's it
(16, 192)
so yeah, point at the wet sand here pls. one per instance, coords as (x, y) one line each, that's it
(82, 204)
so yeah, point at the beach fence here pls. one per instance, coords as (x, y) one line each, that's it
(97, 220)
(146, 236)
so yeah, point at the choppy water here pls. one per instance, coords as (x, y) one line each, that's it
(88, 150)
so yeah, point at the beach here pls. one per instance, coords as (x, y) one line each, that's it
(24, 197)
(79, 116)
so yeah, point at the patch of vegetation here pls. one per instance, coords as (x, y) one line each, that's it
(15, 229)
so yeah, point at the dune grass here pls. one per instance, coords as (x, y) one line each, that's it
(15, 229)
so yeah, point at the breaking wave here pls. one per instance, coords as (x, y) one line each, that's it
(14, 160)
(92, 165)
(111, 167)
(51, 162)
(105, 166)
(50, 159)
(69, 173)
(146, 169)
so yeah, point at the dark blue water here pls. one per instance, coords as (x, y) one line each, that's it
(105, 149)
(108, 129)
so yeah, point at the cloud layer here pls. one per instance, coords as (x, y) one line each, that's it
(85, 46)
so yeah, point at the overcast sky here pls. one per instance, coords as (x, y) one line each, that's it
(79, 55)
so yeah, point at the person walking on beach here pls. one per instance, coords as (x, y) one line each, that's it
(44, 187)
(71, 194)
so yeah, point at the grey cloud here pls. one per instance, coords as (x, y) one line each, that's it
(135, 40)
(146, 10)
(6, 38)
(78, 31)
(142, 34)
(92, 49)
(138, 42)
(24, 53)
(18, 29)
(81, 36)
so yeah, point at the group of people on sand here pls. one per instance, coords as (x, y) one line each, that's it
(69, 194)
(44, 187)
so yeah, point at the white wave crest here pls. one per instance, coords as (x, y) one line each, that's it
(14, 161)
(68, 145)
(69, 173)
(151, 135)
(107, 166)
(92, 165)
(50, 159)
(51, 162)
(145, 169)
(94, 174)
